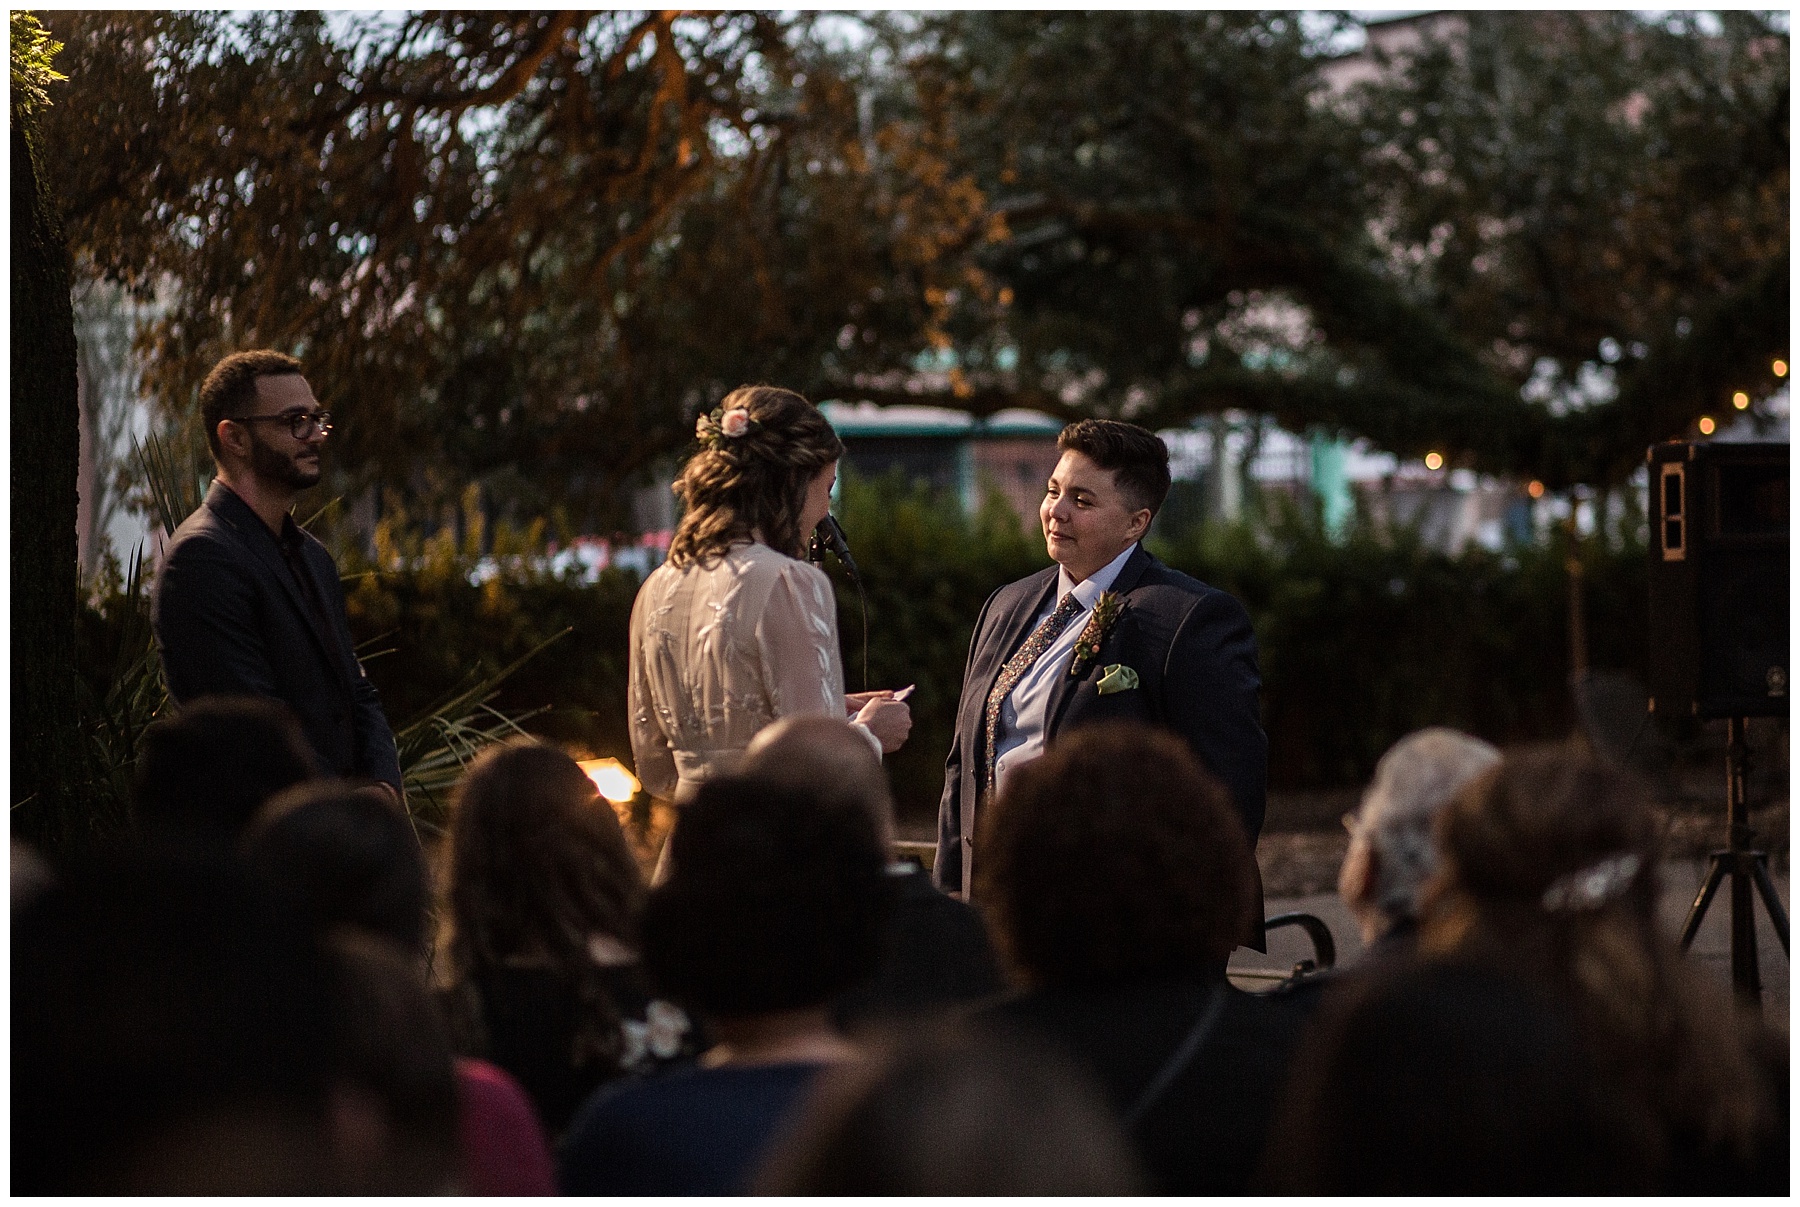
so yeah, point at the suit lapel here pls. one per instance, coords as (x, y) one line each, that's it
(1064, 690)
(254, 534)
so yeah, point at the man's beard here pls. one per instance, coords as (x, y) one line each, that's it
(277, 467)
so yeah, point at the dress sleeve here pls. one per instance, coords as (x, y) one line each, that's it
(650, 749)
(797, 639)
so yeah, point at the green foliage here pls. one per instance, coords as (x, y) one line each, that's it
(1362, 639)
(460, 614)
(927, 569)
(1366, 639)
(33, 49)
(525, 249)
(1592, 197)
(515, 248)
(1189, 219)
(440, 723)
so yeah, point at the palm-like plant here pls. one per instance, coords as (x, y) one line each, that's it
(434, 746)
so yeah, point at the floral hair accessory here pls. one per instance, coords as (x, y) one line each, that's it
(1593, 886)
(717, 426)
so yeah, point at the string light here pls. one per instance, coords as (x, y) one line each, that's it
(1434, 461)
(1536, 489)
(1707, 425)
(1740, 400)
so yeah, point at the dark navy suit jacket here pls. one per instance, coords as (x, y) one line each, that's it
(1195, 656)
(230, 620)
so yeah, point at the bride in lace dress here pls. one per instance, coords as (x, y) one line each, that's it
(735, 631)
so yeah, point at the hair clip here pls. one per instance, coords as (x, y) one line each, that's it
(1593, 886)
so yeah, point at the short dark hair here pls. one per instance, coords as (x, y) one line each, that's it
(203, 773)
(230, 386)
(343, 856)
(774, 901)
(389, 1037)
(150, 993)
(1137, 457)
(1113, 856)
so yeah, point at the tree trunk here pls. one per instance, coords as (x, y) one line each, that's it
(45, 453)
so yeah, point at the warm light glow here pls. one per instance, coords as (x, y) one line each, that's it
(1740, 400)
(614, 782)
(1535, 490)
(1780, 368)
(1707, 425)
(1434, 461)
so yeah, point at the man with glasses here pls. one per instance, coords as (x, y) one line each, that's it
(246, 603)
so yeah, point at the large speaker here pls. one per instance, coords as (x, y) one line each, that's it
(1719, 579)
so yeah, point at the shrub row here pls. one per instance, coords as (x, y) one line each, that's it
(1362, 639)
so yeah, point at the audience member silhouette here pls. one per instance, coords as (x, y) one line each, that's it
(1550, 871)
(171, 1035)
(343, 856)
(543, 901)
(391, 1053)
(203, 773)
(774, 906)
(963, 1112)
(1444, 1079)
(1115, 872)
(1392, 851)
(347, 858)
(935, 953)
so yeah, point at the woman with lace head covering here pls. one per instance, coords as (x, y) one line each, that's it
(736, 629)
(1549, 872)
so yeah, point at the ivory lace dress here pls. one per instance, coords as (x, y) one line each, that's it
(718, 652)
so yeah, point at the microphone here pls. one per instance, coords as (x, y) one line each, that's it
(830, 535)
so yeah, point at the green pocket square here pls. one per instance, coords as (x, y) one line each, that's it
(1117, 678)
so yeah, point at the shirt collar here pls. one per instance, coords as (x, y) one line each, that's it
(1091, 588)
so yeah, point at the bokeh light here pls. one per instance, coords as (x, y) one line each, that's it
(1740, 400)
(1536, 489)
(1434, 461)
(1780, 368)
(615, 783)
(1707, 426)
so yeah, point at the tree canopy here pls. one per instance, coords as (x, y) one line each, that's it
(525, 248)
(1436, 260)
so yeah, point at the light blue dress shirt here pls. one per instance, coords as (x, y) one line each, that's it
(1024, 712)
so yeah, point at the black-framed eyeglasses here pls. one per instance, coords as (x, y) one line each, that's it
(300, 424)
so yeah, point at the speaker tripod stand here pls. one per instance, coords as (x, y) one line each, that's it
(1746, 867)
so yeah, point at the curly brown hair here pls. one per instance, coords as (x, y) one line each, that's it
(1544, 815)
(755, 483)
(1112, 857)
(538, 865)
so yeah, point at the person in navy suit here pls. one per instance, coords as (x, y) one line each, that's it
(246, 602)
(1107, 634)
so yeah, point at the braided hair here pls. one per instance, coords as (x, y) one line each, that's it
(750, 476)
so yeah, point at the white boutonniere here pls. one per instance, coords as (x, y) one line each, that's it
(1116, 678)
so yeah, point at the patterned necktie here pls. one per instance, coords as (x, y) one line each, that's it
(1015, 669)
